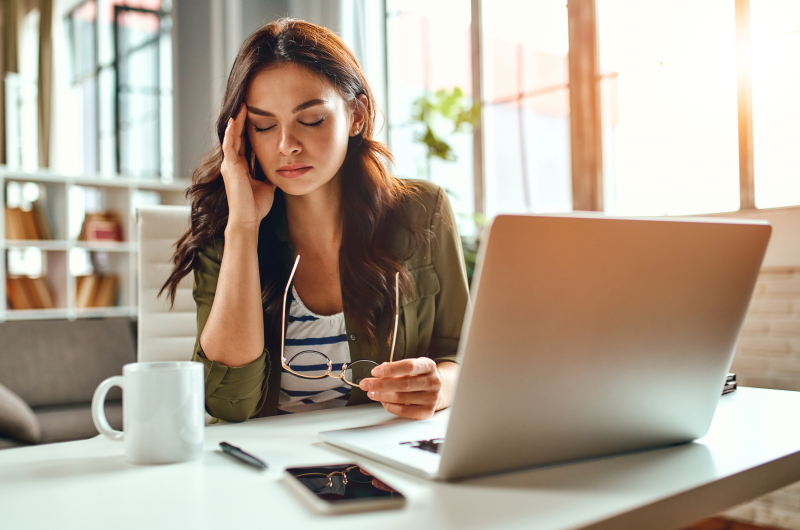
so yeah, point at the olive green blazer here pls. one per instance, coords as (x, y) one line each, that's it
(430, 316)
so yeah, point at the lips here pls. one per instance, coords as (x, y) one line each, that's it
(292, 171)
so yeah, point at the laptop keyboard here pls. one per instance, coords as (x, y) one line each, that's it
(432, 445)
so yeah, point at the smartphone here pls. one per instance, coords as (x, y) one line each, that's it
(342, 488)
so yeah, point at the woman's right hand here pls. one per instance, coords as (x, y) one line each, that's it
(249, 200)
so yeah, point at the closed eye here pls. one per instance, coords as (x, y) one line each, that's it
(315, 124)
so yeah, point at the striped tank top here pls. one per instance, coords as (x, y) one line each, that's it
(326, 334)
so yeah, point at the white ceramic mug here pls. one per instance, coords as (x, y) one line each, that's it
(162, 411)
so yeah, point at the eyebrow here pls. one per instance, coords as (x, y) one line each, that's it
(302, 106)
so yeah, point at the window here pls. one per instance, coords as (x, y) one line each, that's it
(526, 106)
(775, 30)
(670, 143)
(683, 131)
(21, 93)
(122, 62)
(429, 49)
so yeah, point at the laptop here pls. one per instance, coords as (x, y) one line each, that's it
(587, 336)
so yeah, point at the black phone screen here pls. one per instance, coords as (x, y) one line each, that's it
(341, 483)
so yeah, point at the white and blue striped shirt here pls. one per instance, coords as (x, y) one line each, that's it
(326, 334)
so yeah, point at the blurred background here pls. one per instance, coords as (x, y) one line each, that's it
(681, 107)
(629, 107)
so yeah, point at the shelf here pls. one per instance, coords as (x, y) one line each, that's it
(65, 199)
(108, 246)
(49, 244)
(114, 181)
(44, 244)
(63, 313)
(89, 312)
(35, 314)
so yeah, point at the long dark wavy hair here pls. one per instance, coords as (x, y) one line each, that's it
(371, 198)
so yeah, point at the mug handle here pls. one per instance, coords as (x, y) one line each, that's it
(99, 413)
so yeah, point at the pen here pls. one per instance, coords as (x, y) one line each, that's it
(242, 456)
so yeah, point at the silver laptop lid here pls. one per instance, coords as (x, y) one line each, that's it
(591, 335)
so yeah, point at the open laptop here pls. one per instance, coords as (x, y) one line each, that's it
(587, 336)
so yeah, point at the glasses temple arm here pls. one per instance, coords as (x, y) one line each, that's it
(396, 313)
(283, 313)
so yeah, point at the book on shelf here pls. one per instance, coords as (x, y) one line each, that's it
(106, 293)
(42, 226)
(95, 290)
(27, 224)
(29, 293)
(101, 226)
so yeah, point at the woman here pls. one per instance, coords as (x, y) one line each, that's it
(381, 275)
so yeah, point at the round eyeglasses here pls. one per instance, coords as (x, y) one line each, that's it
(345, 474)
(312, 364)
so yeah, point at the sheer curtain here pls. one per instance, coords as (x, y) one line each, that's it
(11, 12)
(45, 79)
(9, 59)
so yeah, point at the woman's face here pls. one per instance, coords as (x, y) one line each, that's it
(298, 125)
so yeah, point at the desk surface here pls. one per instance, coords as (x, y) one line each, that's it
(750, 450)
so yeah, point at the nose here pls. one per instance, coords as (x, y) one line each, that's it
(288, 144)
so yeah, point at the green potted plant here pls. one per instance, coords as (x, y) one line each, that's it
(454, 113)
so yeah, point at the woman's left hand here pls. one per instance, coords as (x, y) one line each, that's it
(410, 388)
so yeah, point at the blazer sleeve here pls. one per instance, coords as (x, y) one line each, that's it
(232, 394)
(453, 296)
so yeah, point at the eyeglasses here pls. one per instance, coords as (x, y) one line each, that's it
(323, 367)
(355, 475)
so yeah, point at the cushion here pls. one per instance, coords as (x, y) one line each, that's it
(58, 362)
(17, 420)
(65, 423)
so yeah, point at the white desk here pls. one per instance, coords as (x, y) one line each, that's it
(753, 448)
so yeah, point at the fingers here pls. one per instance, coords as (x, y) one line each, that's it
(409, 388)
(232, 144)
(414, 412)
(428, 397)
(429, 382)
(241, 120)
(419, 366)
(227, 141)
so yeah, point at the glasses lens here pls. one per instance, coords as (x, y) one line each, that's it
(310, 364)
(357, 370)
(356, 475)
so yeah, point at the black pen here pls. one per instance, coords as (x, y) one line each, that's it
(242, 456)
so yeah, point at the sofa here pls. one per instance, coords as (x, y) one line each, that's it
(49, 370)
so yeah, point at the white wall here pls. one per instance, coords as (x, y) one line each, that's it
(784, 245)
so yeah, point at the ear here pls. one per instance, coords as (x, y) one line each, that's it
(359, 115)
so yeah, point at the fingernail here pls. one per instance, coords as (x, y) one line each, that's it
(371, 395)
(366, 384)
(377, 371)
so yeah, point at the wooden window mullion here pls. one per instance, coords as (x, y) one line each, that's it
(584, 102)
(479, 186)
(744, 91)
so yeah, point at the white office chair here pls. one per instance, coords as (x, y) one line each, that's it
(164, 335)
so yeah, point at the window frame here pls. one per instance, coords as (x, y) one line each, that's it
(585, 112)
(118, 59)
(94, 74)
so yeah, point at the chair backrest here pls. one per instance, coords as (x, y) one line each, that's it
(164, 334)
